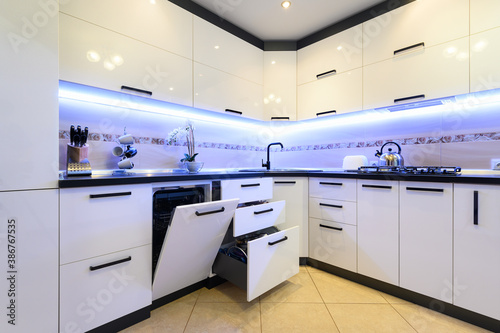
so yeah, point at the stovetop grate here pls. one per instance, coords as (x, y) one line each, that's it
(411, 170)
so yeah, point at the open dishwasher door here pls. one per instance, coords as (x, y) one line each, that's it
(191, 244)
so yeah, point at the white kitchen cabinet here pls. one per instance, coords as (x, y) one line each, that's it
(92, 216)
(425, 21)
(426, 229)
(428, 73)
(28, 94)
(341, 52)
(159, 23)
(256, 217)
(333, 210)
(333, 188)
(94, 56)
(294, 191)
(476, 256)
(280, 88)
(484, 64)
(484, 15)
(216, 90)
(378, 229)
(340, 92)
(219, 49)
(29, 261)
(247, 189)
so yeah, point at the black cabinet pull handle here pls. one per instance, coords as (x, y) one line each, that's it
(476, 208)
(386, 187)
(280, 118)
(278, 241)
(95, 268)
(329, 205)
(398, 100)
(250, 185)
(327, 183)
(321, 75)
(285, 182)
(325, 112)
(210, 212)
(328, 227)
(234, 111)
(424, 189)
(107, 195)
(142, 91)
(264, 211)
(409, 47)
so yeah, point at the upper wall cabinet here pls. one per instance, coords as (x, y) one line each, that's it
(419, 24)
(484, 15)
(336, 54)
(99, 57)
(484, 60)
(219, 49)
(161, 24)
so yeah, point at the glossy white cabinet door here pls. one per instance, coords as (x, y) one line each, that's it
(93, 294)
(98, 57)
(438, 71)
(341, 52)
(295, 192)
(426, 229)
(340, 92)
(217, 91)
(425, 21)
(378, 230)
(477, 249)
(484, 15)
(257, 217)
(333, 188)
(280, 88)
(29, 250)
(484, 64)
(219, 49)
(29, 88)
(160, 24)
(247, 189)
(333, 210)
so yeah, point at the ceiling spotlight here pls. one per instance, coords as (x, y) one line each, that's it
(286, 4)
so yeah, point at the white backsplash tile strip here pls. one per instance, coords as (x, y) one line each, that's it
(475, 137)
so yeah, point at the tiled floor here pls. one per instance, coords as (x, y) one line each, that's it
(311, 301)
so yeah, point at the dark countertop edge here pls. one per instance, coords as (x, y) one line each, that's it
(141, 179)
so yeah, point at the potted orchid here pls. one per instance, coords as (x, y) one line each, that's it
(186, 134)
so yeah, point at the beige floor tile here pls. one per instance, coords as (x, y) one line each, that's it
(368, 318)
(334, 289)
(393, 299)
(296, 318)
(424, 320)
(225, 317)
(224, 293)
(299, 288)
(311, 269)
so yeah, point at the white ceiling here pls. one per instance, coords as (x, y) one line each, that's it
(268, 21)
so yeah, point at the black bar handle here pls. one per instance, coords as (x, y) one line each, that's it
(210, 212)
(142, 91)
(333, 71)
(278, 241)
(264, 211)
(325, 112)
(95, 268)
(327, 183)
(424, 189)
(285, 182)
(386, 187)
(280, 118)
(398, 100)
(329, 205)
(328, 227)
(107, 195)
(250, 185)
(476, 208)
(409, 47)
(234, 111)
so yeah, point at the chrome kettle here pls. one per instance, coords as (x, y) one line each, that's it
(390, 158)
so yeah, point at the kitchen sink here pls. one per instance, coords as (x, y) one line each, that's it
(281, 170)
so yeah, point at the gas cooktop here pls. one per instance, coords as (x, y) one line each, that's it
(411, 170)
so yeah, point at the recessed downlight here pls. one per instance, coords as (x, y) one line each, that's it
(286, 4)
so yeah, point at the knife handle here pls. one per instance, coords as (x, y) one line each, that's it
(72, 134)
(85, 135)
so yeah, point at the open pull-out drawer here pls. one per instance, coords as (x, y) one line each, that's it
(271, 259)
(191, 245)
(256, 217)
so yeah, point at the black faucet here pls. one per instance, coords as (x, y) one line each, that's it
(268, 163)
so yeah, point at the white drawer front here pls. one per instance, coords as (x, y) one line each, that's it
(247, 190)
(333, 243)
(271, 262)
(253, 218)
(333, 210)
(89, 299)
(333, 188)
(99, 220)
